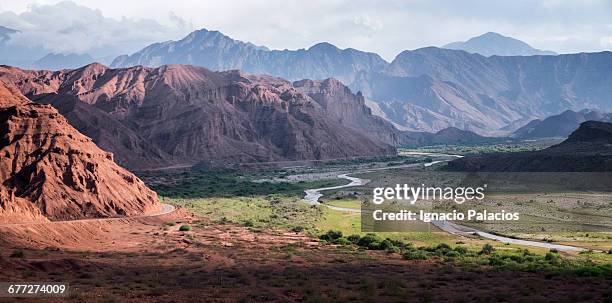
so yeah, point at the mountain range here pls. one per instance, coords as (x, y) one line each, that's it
(561, 125)
(215, 51)
(494, 44)
(427, 89)
(433, 88)
(179, 114)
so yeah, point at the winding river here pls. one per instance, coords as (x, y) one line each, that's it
(312, 197)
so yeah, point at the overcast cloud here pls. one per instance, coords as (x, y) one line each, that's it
(386, 27)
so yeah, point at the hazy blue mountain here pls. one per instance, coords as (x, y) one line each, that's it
(427, 89)
(560, 125)
(433, 88)
(5, 33)
(213, 50)
(491, 44)
(53, 61)
(16, 55)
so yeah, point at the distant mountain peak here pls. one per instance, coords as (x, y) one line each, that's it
(324, 46)
(53, 61)
(216, 51)
(495, 44)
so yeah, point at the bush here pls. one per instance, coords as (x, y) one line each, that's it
(185, 227)
(394, 249)
(385, 244)
(415, 255)
(452, 254)
(461, 250)
(249, 223)
(354, 238)
(487, 249)
(370, 241)
(342, 241)
(331, 235)
(18, 253)
(552, 258)
(297, 229)
(443, 246)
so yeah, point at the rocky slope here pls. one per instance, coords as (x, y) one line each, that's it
(434, 88)
(48, 170)
(560, 125)
(176, 114)
(494, 44)
(215, 51)
(587, 149)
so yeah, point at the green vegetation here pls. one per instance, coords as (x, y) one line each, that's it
(270, 211)
(392, 160)
(472, 149)
(517, 259)
(206, 184)
(185, 227)
(233, 197)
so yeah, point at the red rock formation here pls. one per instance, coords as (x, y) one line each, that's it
(48, 169)
(178, 114)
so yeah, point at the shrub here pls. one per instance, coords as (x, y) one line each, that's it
(452, 254)
(443, 246)
(370, 241)
(394, 249)
(17, 253)
(331, 235)
(342, 241)
(415, 255)
(249, 223)
(487, 249)
(354, 238)
(461, 250)
(185, 227)
(297, 229)
(385, 244)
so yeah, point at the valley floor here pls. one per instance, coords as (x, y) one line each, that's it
(151, 260)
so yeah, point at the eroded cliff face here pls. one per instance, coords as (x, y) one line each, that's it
(48, 170)
(177, 114)
(349, 109)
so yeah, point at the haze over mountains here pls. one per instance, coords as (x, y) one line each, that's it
(494, 44)
(427, 89)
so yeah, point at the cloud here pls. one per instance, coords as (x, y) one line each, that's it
(383, 26)
(606, 42)
(67, 27)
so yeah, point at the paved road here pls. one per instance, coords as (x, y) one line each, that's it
(166, 209)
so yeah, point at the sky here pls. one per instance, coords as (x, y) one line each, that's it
(110, 27)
